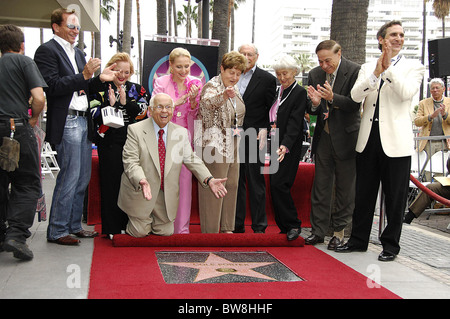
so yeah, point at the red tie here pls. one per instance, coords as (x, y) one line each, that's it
(162, 155)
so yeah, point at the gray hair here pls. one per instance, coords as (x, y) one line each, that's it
(286, 62)
(152, 100)
(249, 45)
(437, 80)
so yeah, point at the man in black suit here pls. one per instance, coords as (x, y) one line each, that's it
(257, 88)
(334, 142)
(69, 80)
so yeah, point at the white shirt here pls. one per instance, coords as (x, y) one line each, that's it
(79, 103)
(244, 80)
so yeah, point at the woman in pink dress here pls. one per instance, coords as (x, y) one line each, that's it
(185, 92)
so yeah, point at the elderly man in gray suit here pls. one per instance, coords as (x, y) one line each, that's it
(334, 142)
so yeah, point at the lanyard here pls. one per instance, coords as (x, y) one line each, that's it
(279, 96)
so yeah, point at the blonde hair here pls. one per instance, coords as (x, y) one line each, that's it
(177, 52)
(119, 57)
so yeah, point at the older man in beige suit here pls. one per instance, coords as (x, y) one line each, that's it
(145, 182)
(432, 117)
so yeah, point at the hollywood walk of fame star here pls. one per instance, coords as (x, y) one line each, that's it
(216, 266)
(236, 131)
(325, 115)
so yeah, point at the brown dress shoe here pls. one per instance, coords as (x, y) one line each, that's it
(86, 234)
(334, 243)
(313, 239)
(66, 240)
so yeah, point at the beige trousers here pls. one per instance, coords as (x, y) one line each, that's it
(157, 222)
(218, 215)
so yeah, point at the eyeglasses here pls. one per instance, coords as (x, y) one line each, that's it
(72, 26)
(167, 107)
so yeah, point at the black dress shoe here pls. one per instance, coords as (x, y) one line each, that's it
(239, 231)
(293, 234)
(348, 248)
(334, 243)
(409, 217)
(386, 256)
(313, 239)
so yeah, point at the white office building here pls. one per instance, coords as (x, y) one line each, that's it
(297, 27)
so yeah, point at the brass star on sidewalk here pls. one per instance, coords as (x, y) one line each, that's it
(216, 266)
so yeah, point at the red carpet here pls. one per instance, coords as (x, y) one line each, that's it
(133, 273)
(301, 193)
(208, 240)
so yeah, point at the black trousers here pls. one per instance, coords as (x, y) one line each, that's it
(372, 167)
(18, 204)
(251, 179)
(281, 183)
(114, 220)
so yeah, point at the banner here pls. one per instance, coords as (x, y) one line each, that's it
(156, 61)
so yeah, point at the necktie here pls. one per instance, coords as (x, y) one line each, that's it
(376, 114)
(331, 81)
(162, 155)
(327, 113)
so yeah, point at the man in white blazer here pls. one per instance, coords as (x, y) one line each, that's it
(151, 202)
(385, 141)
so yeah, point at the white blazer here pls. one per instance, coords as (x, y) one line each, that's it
(401, 84)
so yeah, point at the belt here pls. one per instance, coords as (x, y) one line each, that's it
(78, 113)
(5, 121)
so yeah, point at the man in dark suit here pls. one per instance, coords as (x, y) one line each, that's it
(69, 80)
(334, 142)
(257, 88)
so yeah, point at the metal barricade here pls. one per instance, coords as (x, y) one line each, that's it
(435, 164)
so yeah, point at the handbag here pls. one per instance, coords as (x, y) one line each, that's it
(10, 151)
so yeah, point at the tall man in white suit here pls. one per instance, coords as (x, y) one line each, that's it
(385, 141)
(148, 191)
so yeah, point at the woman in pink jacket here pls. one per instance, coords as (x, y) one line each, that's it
(185, 92)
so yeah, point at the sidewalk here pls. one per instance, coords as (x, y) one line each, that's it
(421, 270)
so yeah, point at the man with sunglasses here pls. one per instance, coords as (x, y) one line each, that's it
(68, 127)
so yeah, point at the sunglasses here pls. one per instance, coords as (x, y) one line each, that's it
(72, 26)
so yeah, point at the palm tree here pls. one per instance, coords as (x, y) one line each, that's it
(234, 7)
(253, 21)
(186, 18)
(441, 10)
(349, 27)
(138, 13)
(305, 62)
(174, 12)
(127, 11)
(118, 22)
(161, 17)
(220, 29)
(106, 9)
(169, 17)
(199, 19)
